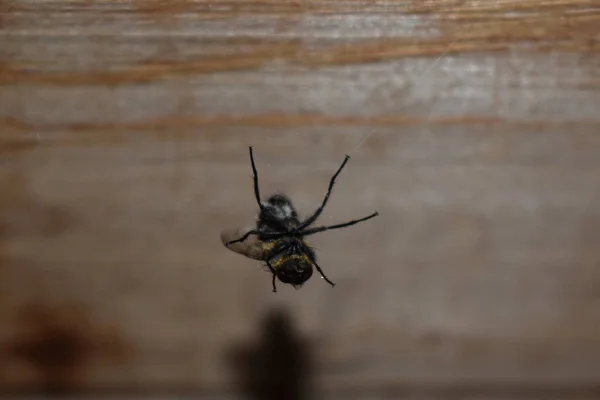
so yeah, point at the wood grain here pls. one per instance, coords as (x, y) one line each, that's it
(473, 130)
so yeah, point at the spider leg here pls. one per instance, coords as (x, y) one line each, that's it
(251, 232)
(265, 235)
(255, 177)
(342, 225)
(273, 271)
(322, 274)
(319, 210)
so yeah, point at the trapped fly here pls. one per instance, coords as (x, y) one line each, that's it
(278, 238)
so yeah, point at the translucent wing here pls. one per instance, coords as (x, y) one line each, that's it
(252, 247)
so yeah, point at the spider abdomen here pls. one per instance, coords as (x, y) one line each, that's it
(277, 214)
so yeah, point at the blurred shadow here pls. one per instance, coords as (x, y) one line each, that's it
(279, 366)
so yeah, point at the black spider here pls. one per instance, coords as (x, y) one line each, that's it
(279, 236)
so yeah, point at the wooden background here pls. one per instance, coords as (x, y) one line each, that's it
(124, 128)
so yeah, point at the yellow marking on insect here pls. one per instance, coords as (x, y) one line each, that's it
(281, 260)
(268, 246)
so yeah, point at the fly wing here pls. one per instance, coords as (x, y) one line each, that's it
(252, 247)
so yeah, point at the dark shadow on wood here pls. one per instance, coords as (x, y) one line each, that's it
(278, 366)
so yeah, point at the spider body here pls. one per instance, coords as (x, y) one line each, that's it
(277, 214)
(278, 238)
(290, 257)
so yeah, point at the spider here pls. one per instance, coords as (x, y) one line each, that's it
(278, 238)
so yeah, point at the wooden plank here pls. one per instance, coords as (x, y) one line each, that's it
(123, 155)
